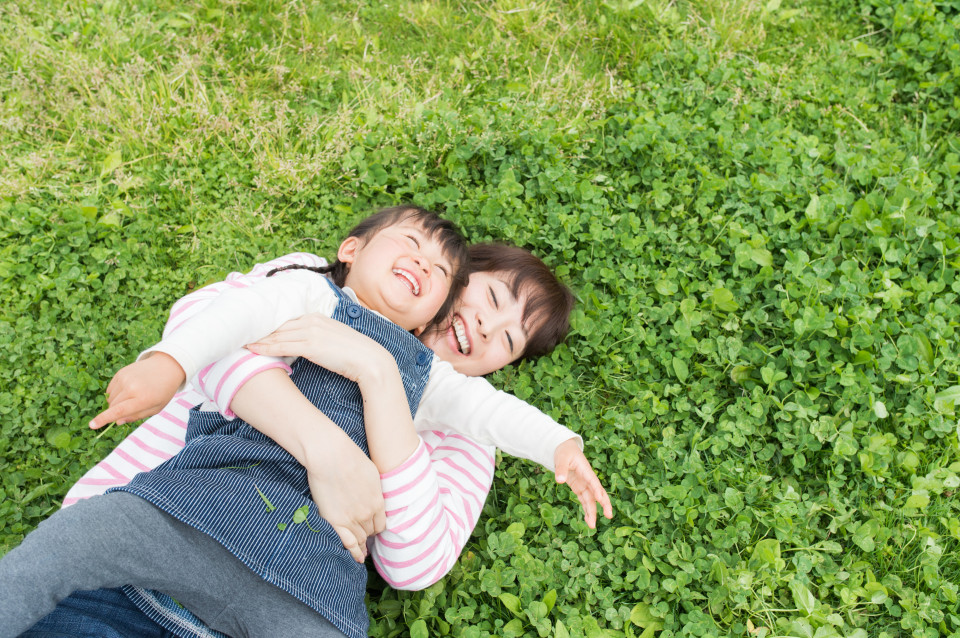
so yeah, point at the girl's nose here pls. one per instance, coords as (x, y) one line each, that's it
(422, 263)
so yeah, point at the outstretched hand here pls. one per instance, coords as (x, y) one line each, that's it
(140, 390)
(573, 468)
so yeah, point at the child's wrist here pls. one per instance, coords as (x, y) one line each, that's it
(323, 455)
(165, 364)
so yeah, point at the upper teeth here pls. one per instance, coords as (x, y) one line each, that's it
(461, 335)
(414, 284)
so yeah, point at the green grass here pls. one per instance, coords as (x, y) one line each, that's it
(755, 202)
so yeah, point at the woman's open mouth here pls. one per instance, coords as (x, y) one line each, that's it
(460, 332)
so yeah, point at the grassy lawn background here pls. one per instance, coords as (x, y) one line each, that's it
(755, 202)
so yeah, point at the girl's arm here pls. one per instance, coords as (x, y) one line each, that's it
(335, 346)
(344, 483)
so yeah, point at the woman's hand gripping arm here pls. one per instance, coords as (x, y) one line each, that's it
(344, 483)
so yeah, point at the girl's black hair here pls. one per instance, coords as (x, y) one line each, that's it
(452, 243)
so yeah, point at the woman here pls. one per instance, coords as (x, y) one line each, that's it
(505, 314)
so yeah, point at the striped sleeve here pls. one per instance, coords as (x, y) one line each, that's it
(162, 435)
(220, 380)
(433, 502)
(156, 440)
(186, 307)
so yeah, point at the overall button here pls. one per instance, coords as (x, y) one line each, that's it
(353, 312)
(422, 358)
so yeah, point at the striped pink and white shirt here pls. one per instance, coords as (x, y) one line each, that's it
(433, 500)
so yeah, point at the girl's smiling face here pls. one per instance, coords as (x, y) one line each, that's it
(486, 331)
(400, 272)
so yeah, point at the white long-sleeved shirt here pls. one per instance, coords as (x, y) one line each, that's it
(433, 500)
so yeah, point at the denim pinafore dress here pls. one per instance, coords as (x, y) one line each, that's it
(239, 487)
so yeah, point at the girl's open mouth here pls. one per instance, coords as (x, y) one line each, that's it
(411, 281)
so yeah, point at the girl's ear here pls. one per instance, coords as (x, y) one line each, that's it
(348, 250)
(419, 331)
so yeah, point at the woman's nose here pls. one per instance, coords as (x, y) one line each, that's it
(481, 328)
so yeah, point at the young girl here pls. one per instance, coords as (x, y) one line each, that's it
(210, 485)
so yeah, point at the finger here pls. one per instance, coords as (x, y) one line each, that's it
(586, 503)
(101, 420)
(368, 526)
(269, 349)
(379, 522)
(604, 500)
(258, 348)
(112, 414)
(591, 512)
(361, 535)
(287, 332)
(299, 322)
(125, 411)
(349, 541)
(276, 346)
(599, 494)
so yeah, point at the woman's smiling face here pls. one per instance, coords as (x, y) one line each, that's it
(486, 331)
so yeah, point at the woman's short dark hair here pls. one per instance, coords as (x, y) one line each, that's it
(547, 302)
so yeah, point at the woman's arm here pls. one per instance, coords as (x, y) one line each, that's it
(335, 346)
(433, 502)
(433, 488)
(344, 483)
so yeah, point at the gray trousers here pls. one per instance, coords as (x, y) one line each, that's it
(120, 539)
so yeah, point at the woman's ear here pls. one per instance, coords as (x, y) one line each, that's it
(348, 250)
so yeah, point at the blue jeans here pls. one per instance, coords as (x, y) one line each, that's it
(100, 613)
(119, 538)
